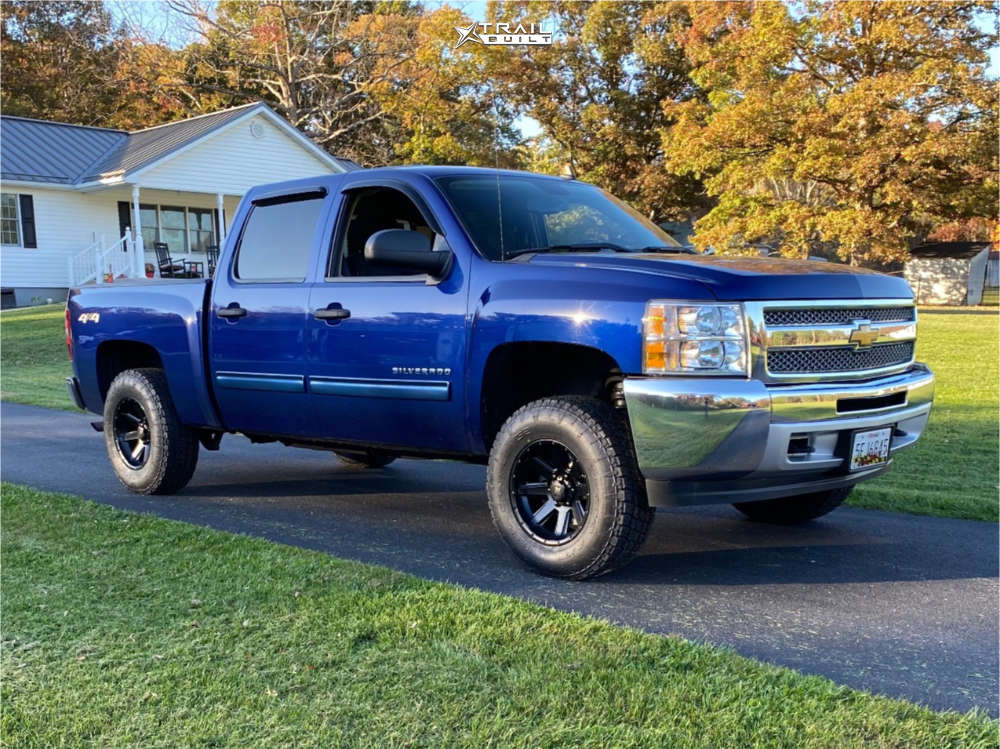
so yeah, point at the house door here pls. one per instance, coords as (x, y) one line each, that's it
(124, 217)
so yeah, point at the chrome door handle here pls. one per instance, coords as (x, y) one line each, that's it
(233, 311)
(332, 313)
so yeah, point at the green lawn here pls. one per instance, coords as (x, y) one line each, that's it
(952, 471)
(35, 363)
(131, 630)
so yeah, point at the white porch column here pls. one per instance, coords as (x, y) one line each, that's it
(138, 261)
(220, 210)
(140, 249)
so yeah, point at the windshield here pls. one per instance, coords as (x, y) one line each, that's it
(540, 214)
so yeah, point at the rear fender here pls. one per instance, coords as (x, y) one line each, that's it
(166, 319)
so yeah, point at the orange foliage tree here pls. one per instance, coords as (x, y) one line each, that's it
(852, 126)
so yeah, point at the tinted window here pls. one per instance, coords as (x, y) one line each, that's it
(277, 241)
(539, 212)
(373, 210)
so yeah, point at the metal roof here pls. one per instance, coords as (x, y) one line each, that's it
(957, 250)
(42, 151)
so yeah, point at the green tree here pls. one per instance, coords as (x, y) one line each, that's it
(58, 60)
(851, 125)
(598, 93)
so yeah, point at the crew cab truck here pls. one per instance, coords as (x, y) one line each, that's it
(533, 323)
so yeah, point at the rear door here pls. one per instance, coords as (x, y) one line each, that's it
(259, 315)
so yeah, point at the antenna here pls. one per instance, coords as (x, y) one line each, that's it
(496, 162)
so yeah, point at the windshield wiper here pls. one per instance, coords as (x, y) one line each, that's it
(594, 246)
(668, 248)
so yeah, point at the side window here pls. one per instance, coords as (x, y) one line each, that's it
(277, 240)
(370, 210)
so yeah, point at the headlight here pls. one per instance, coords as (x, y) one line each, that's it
(704, 338)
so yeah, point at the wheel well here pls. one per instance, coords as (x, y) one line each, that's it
(114, 357)
(518, 373)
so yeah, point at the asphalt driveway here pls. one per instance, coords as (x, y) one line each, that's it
(899, 605)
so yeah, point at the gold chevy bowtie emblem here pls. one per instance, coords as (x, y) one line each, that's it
(863, 336)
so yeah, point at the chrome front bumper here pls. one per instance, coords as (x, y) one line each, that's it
(708, 440)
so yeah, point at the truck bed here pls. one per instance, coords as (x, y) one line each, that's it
(166, 317)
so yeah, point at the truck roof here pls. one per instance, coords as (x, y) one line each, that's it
(430, 171)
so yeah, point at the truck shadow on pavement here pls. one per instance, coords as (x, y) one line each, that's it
(416, 507)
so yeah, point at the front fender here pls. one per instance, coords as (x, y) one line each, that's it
(599, 310)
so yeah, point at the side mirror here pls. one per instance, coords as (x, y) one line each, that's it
(406, 249)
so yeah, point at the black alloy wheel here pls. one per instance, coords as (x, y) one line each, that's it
(549, 492)
(131, 433)
(564, 489)
(150, 449)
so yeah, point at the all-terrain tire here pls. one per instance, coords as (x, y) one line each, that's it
(166, 461)
(797, 509)
(364, 458)
(618, 517)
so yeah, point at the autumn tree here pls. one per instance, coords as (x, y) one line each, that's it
(851, 125)
(598, 92)
(441, 105)
(57, 59)
(65, 61)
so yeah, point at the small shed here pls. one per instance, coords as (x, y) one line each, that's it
(951, 273)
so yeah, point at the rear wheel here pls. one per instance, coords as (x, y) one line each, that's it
(151, 451)
(365, 458)
(797, 509)
(564, 490)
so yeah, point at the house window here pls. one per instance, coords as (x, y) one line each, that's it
(10, 223)
(150, 218)
(173, 228)
(183, 229)
(201, 228)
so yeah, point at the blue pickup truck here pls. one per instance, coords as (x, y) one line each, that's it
(535, 324)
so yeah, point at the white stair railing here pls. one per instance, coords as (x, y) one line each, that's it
(116, 261)
(83, 266)
(99, 263)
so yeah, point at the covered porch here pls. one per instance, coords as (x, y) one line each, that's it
(143, 232)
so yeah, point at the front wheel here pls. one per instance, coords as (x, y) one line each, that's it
(794, 510)
(564, 490)
(151, 451)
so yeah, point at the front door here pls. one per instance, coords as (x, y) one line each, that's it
(387, 368)
(259, 314)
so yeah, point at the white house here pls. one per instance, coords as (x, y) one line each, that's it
(86, 205)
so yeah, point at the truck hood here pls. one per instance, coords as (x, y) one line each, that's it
(746, 278)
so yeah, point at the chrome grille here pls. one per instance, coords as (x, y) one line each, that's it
(838, 358)
(836, 315)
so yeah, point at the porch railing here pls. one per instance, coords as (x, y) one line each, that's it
(103, 264)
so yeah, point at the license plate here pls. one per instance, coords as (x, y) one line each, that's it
(870, 448)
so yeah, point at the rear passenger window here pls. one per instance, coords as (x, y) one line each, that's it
(277, 240)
